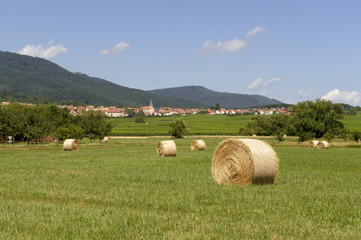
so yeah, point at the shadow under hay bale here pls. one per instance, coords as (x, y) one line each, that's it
(198, 145)
(323, 145)
(167, 149)
(244, 162)
(71, 145)
(313, 144)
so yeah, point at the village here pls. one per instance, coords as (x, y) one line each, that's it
(116, 112)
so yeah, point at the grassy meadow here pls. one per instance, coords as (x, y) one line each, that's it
(123, 190)
(198, 125)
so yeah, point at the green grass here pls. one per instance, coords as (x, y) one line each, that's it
(123, 190)
(198, 125)
(353, 122)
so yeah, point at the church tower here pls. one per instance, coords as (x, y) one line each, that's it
(150, 103)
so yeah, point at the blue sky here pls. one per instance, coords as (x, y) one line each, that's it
(288, 50)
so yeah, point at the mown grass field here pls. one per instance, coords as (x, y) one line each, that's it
(198, 125)
(123, 190)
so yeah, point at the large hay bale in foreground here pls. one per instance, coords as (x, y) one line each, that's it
(71, 145)
(166, 149)
(313, 144)
(243, 162)
(323, 145)
(198, 145)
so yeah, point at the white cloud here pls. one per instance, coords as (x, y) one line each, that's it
(256, 84)
(270, 81)
(305, 94)
(42, 52)
(254, 31)
(229, 46)
(260, 84)
(234, 45)
(343, 97)
(117, 49)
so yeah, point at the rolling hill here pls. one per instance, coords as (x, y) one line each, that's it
(25, 78)
(210, 98)
(37, 78)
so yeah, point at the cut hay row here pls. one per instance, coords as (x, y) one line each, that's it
(167, 149)
(243, 162)
(71, 145)
(198, 145)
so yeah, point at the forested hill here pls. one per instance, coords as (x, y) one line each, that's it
(37, 78)
(210, 98)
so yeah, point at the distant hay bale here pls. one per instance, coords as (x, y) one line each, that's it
(198, 145)
(244, 162)
(323, 145)
(71, 145)
(313, 144)
(167, 149)
(105, 140)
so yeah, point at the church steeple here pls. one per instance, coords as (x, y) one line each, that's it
(150, 103)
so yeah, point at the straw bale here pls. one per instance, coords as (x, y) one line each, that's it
(313, 144)
(323, 145)
(244, 162)
(105, 140)
(167, 149)
(198, 145)
(71, 145)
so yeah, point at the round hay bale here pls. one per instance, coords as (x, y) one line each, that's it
(198, 145)
(71, 145)
(323, 145)
(313, 144)
(105, 140)
(167, 149)
(243, 162)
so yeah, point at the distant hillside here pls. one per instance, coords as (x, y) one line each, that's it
(210, 98)
(37, 78)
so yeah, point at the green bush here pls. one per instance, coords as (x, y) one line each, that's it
(178, 129)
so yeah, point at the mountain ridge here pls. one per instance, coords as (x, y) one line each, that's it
(39, 78)
(210, 97)
(29, 77)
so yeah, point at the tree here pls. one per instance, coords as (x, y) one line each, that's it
(356, 136)
(94, 124)
(91, 121)
(178, 129)
(275, 125)
(14, 121)
(140, 117)
(130, 112)
(71, 131)
(104, 130)
(315, 119)
(218, 107)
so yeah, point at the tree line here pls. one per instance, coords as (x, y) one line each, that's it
(318, 119)
(35, 123)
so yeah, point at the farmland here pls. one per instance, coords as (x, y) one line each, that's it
(123, 190)
(199, 125)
